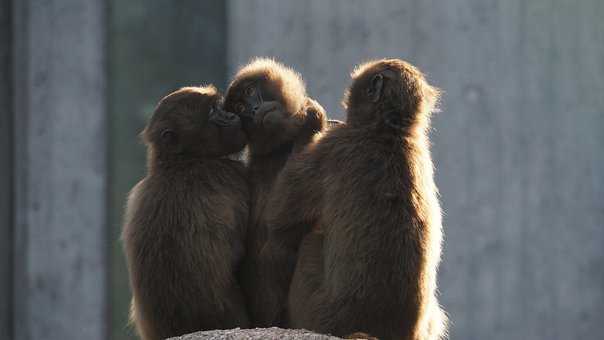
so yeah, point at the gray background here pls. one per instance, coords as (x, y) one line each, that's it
(517, 145)
(6, 146)
(59, 168)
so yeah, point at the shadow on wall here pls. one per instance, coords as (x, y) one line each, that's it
(154, 48)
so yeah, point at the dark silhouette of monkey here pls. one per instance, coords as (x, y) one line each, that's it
(360, 209)
(279, 119)
(185, 224)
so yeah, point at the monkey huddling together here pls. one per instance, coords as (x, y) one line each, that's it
(334, 228)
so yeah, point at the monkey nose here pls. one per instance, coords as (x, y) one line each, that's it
(255, 109)
(229, 116)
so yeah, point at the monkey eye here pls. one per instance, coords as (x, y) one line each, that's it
(250, 91)
(168, 135)
(240, 108)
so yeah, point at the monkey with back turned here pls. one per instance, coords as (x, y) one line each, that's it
(185, 222)
(359, 208)
(279, 119)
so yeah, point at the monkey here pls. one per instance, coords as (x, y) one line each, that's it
(185, 222)
(279, 119)
(357, 213)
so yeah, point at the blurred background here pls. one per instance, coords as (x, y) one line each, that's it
(517, 146)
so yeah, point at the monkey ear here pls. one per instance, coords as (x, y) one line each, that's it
(374, 91)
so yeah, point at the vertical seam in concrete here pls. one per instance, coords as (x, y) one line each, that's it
(7, 294)
(106, 221)
(20, 78)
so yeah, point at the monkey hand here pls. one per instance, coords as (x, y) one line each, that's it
(316, 117)
(271, 115)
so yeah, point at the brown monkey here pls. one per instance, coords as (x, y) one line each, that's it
(279, 118)
(371, 265)
(185, 222)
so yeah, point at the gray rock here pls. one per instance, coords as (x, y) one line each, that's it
(256, 334)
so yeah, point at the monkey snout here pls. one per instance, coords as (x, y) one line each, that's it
(228, 116)
(263, 112)
(224, 118)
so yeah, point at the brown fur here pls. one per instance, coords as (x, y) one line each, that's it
(285, 122)
(186, 220)
(372, 267)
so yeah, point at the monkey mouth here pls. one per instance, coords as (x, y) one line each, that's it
(246, 114)
(223, 118)
(263, 118)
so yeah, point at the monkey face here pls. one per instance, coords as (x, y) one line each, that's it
(252, 100)
(270, 99)
(389, 93)
(191, 122)
(264, 112)
(222, 133)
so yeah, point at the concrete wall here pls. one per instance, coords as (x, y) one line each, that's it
(517, 146)
(6, 180)
(60, 170)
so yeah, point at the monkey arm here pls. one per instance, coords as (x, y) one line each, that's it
(315, 121)
(290, 215)
(295, 200)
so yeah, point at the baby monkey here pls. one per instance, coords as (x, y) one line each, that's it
(279, 120)
(367, 231)
(271, 100)
(185, 222)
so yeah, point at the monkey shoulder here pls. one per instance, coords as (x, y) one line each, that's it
(133, 210)
(223, 175)
(203, 199)
(225, 189)
(334, 147)
(356, 158)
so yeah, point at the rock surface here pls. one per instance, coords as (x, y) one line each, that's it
(256, 334)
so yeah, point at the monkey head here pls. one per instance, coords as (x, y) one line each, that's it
(271, 101)
(390, 94)
(191, 122)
